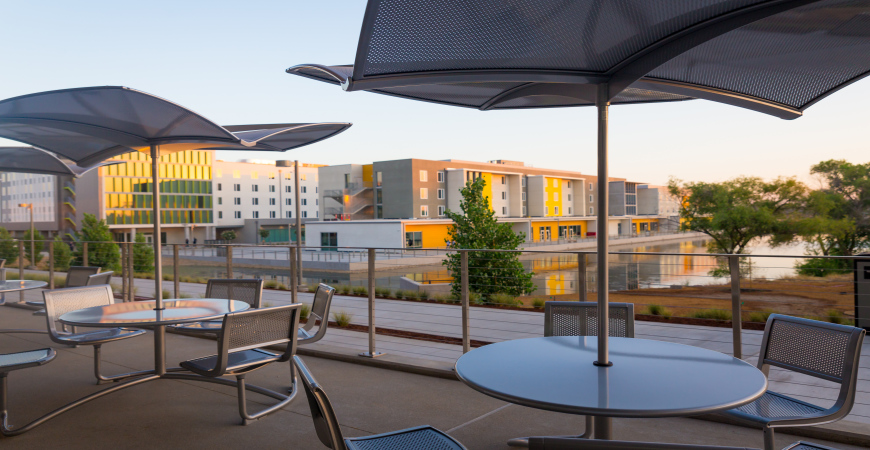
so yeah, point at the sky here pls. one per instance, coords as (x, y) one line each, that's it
(226, 61)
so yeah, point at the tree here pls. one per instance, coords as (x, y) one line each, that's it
(738, 212)
(102, 251)
(143, 255)
(8, 246)
(477, 228)
(62, 255)
(228, 235)
(38, 246)
(264, 234)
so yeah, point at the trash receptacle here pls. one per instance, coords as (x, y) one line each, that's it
(862, 292)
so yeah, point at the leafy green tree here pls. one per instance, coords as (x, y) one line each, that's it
(38, 246)
(8, 246)
(477, 228)
(228, 235)
(62, 254)
(739, 212)
(264, 234)
(102, 251)
(143, 255)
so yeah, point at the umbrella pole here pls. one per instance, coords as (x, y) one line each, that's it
(159, 331)
(602, 104)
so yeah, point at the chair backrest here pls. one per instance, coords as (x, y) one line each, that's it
(257, 328)
(819, 349)
(61, 301)
(78, 275)
(581, 319)
(320, 309)
(2, 263)
(100, 278)
(249, 290)
(325, 422)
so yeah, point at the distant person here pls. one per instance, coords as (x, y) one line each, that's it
(187, 242)
(194, 242)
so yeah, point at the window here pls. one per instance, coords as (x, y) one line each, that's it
(219, 173)
(288, 202)
(440, 210)
(304, 213)
(288, 189)
(272, 188)
(590, 197)
(546, 210)
(555, 183)
(424, 211)
(504, 210)
(255, 201)
(524, 196)
(569, 184)
(591, 211)
(424, 193)
(237, 174)
(556, 210)
(256, 214)
(255, 188)
(220, 214)
(220, 200)
(590, 186)
(569, 197)
(316, 201)
(569, 211)
(440, 176)
(237, 201)
(555, 196)
(254, 175)
(219, 186)
(379, 178)
(524, 210)
(414, 239)
(237, 187)
(303, 177)
(237, 214)
(502, 180)
(379, 196)
(440, 194)
(329, 240)
(504, 195)
(272, 214)
(304, 202)
(424, 175)
(304, 189)
(523, 182)
(272, 202)
(289, 214)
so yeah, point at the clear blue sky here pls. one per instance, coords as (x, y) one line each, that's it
(226, 60)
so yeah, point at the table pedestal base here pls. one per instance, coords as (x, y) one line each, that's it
(523, 442)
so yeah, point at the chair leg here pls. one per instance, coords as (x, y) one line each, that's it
(102, 378)
(590, 425)
(769, 443)
(4, 411)
(243, 407)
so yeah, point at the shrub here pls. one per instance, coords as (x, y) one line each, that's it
(504, 299)
(820, 267)
(714, 314)
(228, 235)
(271, 284)
(282, 287)
(38, 244)
(166, 294)
(412, 295)
(143, 255)
(538, 303)
(759, 316)
(342, 318)
(312, 286)
(8, 247)
(62, 255)
(184, 295)
(382, 292)
(360, 290)
(343, 289)
(475, 299)
(835, 316)
(399, 294)
(304, 311)
(441, 298)
(268, 304)
(657, 310)
(425, 295)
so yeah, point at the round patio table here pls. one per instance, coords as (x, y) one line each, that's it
(648, 379)
(16, 286)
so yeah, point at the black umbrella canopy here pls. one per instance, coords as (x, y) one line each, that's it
(36, 161)
(774, 56)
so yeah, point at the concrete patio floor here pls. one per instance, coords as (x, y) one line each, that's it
(171, 413)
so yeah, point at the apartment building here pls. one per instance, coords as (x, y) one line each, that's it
(53, 200)
(251, 195)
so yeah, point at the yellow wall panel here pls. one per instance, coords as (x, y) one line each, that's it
(434, 235)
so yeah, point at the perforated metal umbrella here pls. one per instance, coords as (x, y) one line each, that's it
(92, 124)
(777, 57)
(36, 161)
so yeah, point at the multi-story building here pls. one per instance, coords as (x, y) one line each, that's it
(53, 200)
(346, 192)
(252, 195)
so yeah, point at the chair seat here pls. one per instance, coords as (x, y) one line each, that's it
(209, 326)
(302, 334)
(807, 446)
(424, 437)
(238, 362)
(99, 336)
(40, 312)
(33, 303)
(22, 360)
(772, 406)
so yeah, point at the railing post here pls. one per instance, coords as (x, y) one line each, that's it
(131, 272)
(371, 275)
(124, 249)
(51, 264)
(736, 320)
(464, 297)
(175, 271)
(21, 267)
(229, 261)
(581, 276)
(84, 254)
(294, 285)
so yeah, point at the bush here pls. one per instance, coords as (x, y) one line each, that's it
(343, 289)
(38, 245)
(412, 295)
(442, 298)
(304, 311)
(538, 303)
(835, 316)
(143, 255)
(714, 314)
(657, 310)
(360, 290)
(820, 267)
(102, 251)
(62, 255)
(425, 295)
(759, 316)
(503, 299)
(382, 292)
(398, 294)
(228, 235)
(312, 286)
(8, 247)
(271, 284)
(342, 318)
(475, 299)
(166, 294)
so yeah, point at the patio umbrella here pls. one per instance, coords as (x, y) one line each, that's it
(92, 124)
(777, 57)
(36, 161)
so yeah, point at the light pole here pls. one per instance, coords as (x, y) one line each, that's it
(32, 237)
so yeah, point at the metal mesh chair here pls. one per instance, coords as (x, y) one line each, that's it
(808, 446)
(100, 278)
(249, 291)
(818, 349)
(61, 301)
(556, 443)
(319, 311)
(76, 276)
(17, 361)
(241, 340)
(581, 319)
(329, 432)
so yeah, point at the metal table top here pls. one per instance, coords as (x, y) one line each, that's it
(143, 315)
(21, 285)
(647, 379)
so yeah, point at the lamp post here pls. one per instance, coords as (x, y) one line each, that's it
(32, 232)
